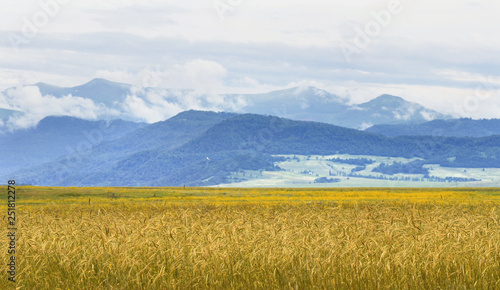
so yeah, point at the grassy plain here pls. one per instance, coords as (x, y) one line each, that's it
(296, 174)
(197, 238)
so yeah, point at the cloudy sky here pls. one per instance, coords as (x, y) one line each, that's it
(441, 54)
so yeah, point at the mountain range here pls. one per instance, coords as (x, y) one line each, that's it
(448, 128)
(199, 148)
(100, 91)
(300, 103)
(312, 104)
(57, 136)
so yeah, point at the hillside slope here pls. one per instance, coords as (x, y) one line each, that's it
(163, 136)
(246, 142)
(449, 128)
(57, 136)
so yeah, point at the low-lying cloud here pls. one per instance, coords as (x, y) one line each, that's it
(143, 104)
(36, 106)
(157, 104)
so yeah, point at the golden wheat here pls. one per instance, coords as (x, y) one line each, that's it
(318, 243)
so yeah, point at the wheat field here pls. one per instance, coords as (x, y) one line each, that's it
(172, 238)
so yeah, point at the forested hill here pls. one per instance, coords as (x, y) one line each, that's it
(247, 141)
(448, 128)
(275, 135)
(56, 136)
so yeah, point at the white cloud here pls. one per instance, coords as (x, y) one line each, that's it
(365, 126)
(430, 53)
(249, 85)
(149, 112)
(157, 104)
(246, 82)
(36, 107)
(485, 85)
(476, 102)
(200, 75)
(429, 116)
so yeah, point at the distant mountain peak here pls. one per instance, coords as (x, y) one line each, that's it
(103, 86)
(389, 109)
(45, 86)
(92, 83)
(302, 102)
(313, 91)
(389, 97)
(200, 115)
(98, 90)
(308, 89)
(101, 81)
(41, 84)
(54, 117)
(388, 100)
(61, 121)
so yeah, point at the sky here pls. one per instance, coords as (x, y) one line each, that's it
(440, 54)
